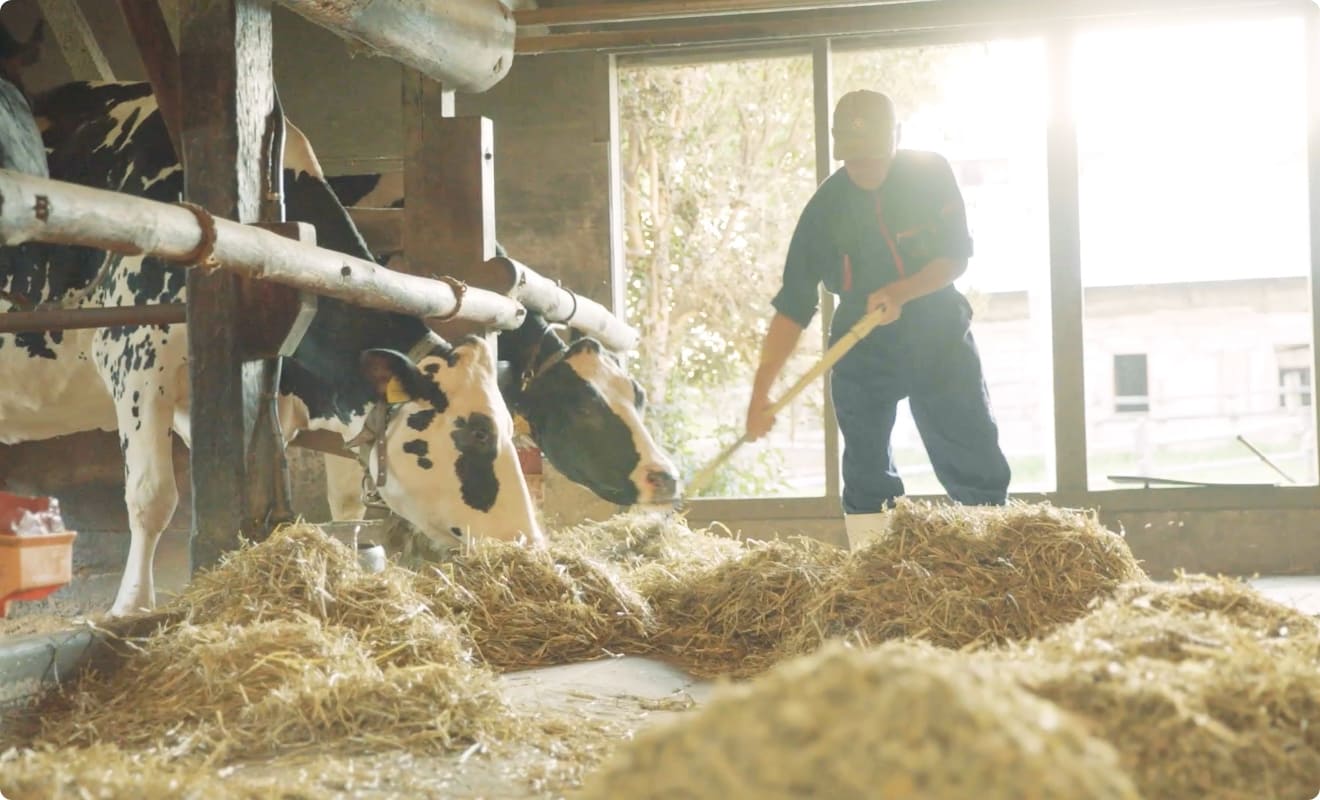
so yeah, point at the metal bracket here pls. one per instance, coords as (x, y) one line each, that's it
(307, 305)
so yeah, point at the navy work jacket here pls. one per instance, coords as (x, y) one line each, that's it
(855, 241)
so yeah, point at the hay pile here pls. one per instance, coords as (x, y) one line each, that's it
(287, 644)
(954, 576)
(650, 549)
(105, 772)
(899, 721)
(733, 619)
(1206, 689)
(526, 607)
(960, 577)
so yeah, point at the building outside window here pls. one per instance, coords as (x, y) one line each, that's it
(1131, 383)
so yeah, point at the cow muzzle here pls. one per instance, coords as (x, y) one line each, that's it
(661, 486)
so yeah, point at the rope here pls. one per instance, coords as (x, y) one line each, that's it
(203, 255)
(460, 289)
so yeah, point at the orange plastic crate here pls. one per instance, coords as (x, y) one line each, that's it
(31, 567)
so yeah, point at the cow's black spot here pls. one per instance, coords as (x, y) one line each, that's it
(419, 448)
(147, 283)
(134, 409)
(434, 395)
(420, 420)
(35, 344)
(477, 443)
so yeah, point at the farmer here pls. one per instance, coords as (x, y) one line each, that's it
(888, 233)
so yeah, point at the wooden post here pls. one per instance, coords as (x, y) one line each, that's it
(160, 59)
(449, 183)
(77, 42)
(227, 93)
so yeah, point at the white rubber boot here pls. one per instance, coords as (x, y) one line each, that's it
(865, 528)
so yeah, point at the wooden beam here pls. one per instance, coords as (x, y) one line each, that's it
(449, 183)
(605, 13)
(383, 230)
(987, 18)
(40, 209)
(558, 304)
(160, 59)
(77, 42)
(227, 92)
(67, 319)
(467, 44)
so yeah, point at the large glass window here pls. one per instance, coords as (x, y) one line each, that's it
(982, 106)
(718, 159)
(1195, 252)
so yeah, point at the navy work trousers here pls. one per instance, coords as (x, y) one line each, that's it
(945, 388)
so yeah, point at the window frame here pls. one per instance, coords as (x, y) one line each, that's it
(1066, 290)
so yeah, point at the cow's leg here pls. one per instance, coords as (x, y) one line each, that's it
(140, 366)
(343, 488)
(152, 496)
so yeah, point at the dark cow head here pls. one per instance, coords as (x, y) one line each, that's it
(15, 56)
(586, 414)
(450, 465)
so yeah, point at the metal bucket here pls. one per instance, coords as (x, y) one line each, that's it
(371, 557)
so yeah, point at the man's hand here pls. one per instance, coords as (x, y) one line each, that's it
(887, 302)
(759, 418)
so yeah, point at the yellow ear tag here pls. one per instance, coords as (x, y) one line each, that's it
(520, 426)
(394, 392)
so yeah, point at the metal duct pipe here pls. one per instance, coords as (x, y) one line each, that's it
(465, 44)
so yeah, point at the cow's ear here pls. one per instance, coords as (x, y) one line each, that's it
(584, 344)
(394, 377)
(31, 50)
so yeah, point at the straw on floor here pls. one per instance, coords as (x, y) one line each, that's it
(899, 721)
(1207, 690)
(287, 644)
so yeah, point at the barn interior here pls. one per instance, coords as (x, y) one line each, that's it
(542, 164)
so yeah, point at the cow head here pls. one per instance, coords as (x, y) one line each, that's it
(449, 463)
(586, 415)
(16, 56)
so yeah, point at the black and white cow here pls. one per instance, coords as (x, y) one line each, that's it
(451, 462)
(584, 411)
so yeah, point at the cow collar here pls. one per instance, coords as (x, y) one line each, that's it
(533, 371)
(371, 439)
